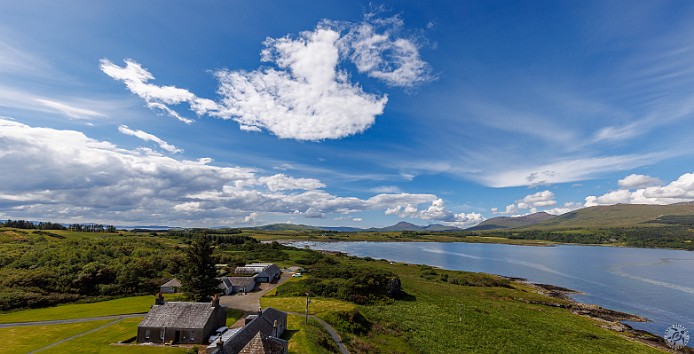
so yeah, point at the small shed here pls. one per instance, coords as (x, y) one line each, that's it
(181, 322)
(171, 287)
(233, 285)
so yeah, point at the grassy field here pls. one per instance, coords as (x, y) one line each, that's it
(318, 306)
(127, 305)
(439, 317)
(103, 341)
(442, 317)
(306, 338)
(26, 339)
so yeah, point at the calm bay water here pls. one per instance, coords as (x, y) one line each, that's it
(655, 283)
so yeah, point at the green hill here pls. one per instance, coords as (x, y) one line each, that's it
(622, 215)
(506, 222)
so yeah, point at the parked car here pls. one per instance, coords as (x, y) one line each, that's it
(296, 275)
(217, 333)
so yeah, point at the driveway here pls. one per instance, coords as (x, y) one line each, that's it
(250, 303)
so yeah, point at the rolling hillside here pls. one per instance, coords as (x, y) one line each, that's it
(506, 222)
(622, 215)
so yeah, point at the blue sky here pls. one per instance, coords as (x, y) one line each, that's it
(341, 113)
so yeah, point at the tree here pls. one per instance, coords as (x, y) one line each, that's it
(198, 275)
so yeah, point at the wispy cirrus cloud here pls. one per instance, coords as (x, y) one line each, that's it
(123, 129)
(69, 110)
(136, 79)
(570, 170)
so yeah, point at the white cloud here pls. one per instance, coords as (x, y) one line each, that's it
(566, 171)
(386, 189)
(304, 94)
(136, 79)
(306, 98)
(635, 181)
(565, 208)
(436, 211)
(530, 203)
(679, 190)
(68, 110)
(376, 49)
(357, 219)
(280, 182)
(86, 180)
(123, 129)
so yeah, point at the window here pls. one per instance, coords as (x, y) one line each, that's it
(147, 333)
(192, 335)
(161, 334)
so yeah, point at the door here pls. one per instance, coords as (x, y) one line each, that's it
(177, 337)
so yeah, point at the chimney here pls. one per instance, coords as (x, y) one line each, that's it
(215, 300)
(274, 329)
(160, 299)
(260, 311)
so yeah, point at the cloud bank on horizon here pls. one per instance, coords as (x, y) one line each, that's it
(123, 185)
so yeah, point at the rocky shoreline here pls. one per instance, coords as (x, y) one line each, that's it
(611, 319)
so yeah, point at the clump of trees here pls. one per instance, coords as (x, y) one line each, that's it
(675, 236)
(360, 284)
(38, 270)
(24, 224)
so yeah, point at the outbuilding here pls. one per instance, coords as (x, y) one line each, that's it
(233, 285)
(171, 287)
(262, 272)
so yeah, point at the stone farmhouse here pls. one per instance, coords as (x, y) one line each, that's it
(181, 322)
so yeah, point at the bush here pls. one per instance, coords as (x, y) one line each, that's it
(349, 321)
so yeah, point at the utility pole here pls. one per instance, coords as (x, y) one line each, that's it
(307, 302)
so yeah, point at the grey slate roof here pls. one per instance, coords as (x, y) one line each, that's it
(173, 283)
(262, 324)
(261, 344)
(255, 268)
(246, 282)
(179, 315)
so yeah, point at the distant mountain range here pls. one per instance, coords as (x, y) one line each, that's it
(619, 215)
(401, 226)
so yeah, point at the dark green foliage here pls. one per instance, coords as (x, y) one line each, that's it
(24, 224)
(315, 333)
(676, 236)
(41, 268)
(464, 278)
(198, 276)
(349, 321)
(359, 284)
